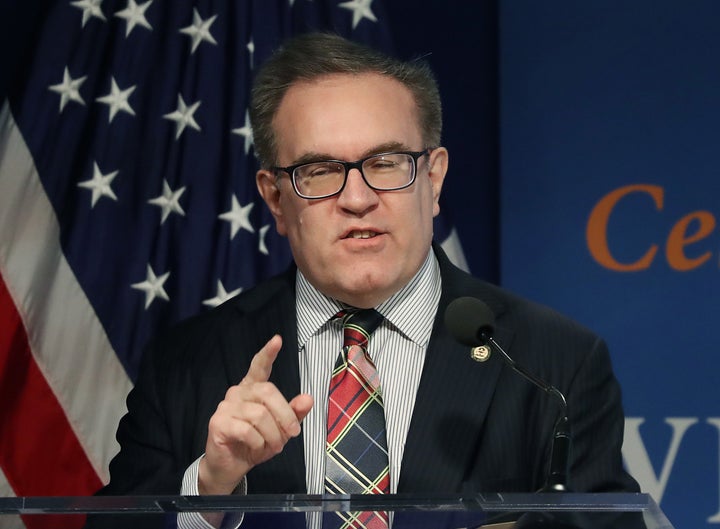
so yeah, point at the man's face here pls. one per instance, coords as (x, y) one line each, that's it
(360, 246)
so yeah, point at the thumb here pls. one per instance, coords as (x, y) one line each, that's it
(301, 405)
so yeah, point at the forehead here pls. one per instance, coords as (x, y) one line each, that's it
(345, 115)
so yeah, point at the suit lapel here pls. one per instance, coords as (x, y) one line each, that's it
(452, 399)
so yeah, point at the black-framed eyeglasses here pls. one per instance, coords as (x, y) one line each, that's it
(388, 171)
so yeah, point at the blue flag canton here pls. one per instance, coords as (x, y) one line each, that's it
(136, 115)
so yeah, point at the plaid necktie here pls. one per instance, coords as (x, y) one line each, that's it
(356, 457)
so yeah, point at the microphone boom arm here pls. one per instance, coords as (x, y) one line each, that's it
(562, 440)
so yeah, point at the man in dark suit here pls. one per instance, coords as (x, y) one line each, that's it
(235, 400)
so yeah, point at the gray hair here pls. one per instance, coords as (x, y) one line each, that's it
(312, 55)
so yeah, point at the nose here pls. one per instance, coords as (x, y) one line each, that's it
(357, 196)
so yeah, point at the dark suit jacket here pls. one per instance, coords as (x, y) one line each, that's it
(476, 426)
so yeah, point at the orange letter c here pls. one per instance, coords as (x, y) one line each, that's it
(596, 232)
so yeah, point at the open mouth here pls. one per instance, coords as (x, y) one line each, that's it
(361, 234)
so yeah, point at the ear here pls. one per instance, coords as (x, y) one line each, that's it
(268, 187)
(438, 166)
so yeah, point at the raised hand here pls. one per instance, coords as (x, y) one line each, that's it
(252, 424)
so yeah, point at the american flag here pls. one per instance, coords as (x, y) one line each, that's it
(127, 202)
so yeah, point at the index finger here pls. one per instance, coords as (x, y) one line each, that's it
(262, 362)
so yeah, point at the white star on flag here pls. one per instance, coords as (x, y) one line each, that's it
(238, 217)
(152, 286)
(246, 132)
(361, 9)
(117, 100)
(99, 184)
(251, 51)
(222, 296)
(69, 89)
(199, 30)
(90, 8)
(168, 201)
(183, 116)
(134, 15)
(262, 247)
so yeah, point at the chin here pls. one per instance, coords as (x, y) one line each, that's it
(372, 289)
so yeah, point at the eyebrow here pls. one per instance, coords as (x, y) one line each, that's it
(314, 156)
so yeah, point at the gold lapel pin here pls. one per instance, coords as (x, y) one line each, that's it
(480, 354)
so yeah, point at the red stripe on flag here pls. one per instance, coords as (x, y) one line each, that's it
(39, 452)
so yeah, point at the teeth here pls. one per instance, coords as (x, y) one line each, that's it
(362, 234)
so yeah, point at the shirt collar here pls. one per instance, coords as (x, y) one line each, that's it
(410, 311)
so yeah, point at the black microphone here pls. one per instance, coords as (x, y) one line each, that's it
(472, 323)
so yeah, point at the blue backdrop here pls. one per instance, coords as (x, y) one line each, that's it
(609, 211)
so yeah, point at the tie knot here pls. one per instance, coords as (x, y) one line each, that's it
(359, 325)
